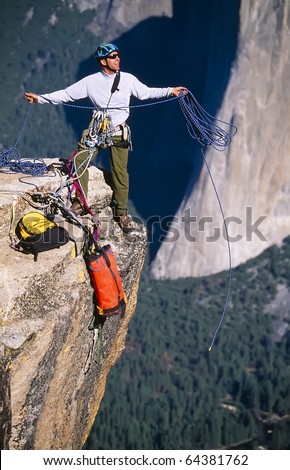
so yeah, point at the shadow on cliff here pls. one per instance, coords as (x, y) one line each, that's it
(194, 48)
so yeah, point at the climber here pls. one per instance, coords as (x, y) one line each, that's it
(110, 92)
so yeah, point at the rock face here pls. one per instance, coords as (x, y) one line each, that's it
(252, 175)
(51, 387)
(112, 19)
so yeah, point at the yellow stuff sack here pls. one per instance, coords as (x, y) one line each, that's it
(36, 233)
(33, 223)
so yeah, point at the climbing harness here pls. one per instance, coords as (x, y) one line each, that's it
(202, 127)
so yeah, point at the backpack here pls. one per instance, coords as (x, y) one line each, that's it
(107, 283)
(36, 233)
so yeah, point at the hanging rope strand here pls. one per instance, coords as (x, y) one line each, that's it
(205, 129)
(229, 253)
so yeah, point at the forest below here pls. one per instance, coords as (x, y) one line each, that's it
(168, 391)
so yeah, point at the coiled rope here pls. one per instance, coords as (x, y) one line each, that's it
(11, 161)
(202, 126)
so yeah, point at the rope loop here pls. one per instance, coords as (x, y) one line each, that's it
(202, 126)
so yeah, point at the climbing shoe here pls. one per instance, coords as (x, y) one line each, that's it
(126, 222)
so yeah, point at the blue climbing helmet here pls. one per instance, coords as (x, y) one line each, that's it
(105, 49)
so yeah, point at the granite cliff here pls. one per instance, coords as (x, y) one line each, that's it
(113, 18)
(252, 176)
(49, 394)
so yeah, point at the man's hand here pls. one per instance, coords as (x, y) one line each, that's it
(31, 97)
(175, 91)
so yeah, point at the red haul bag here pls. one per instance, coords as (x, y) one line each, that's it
(107, 284)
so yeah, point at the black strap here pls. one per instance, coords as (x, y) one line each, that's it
(116, 82)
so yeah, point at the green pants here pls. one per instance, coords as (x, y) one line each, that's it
(119, 173)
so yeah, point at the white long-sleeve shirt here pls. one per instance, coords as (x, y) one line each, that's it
(97, 87)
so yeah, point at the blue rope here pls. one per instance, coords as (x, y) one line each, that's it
(204, 128)
(12, 161)
(110, 108)
(229, 253)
